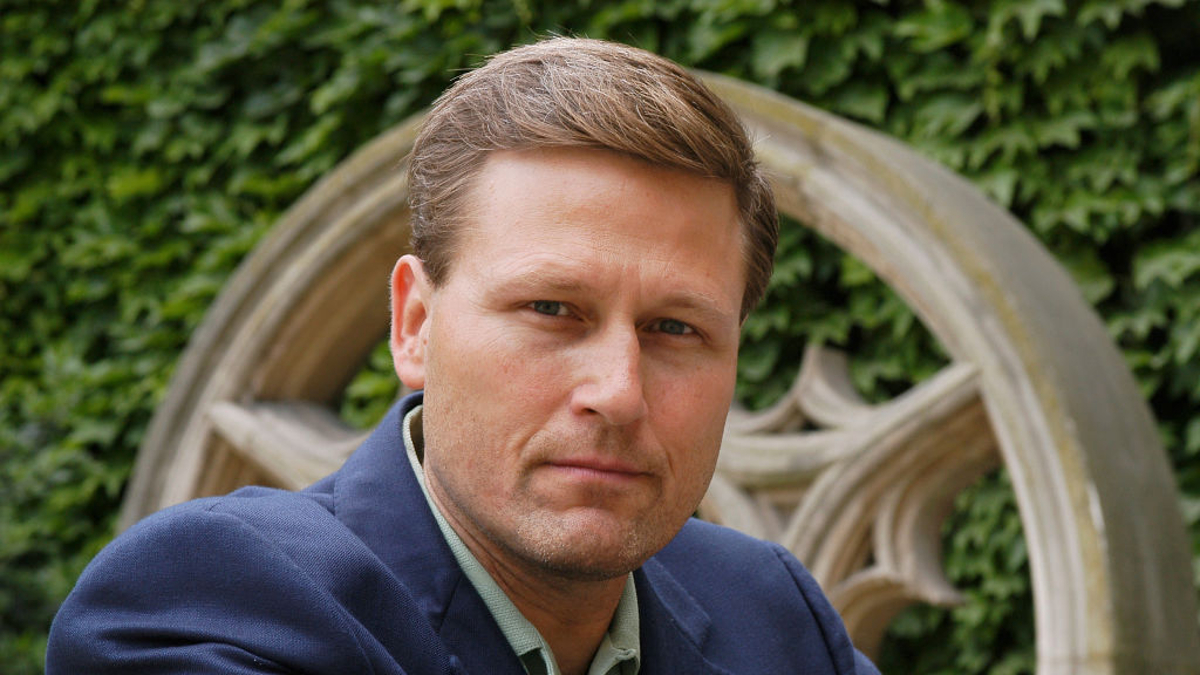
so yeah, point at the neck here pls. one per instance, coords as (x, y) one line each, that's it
(572, 616)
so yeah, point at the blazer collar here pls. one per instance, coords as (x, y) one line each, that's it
(377, 497)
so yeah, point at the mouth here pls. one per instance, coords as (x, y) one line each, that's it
(597, 469)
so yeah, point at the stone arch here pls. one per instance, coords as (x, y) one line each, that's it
(1034, 382)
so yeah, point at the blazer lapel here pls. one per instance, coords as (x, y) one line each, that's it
(674, 627)
(471, 633)
(377, 496)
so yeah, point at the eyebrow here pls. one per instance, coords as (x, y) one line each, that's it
(700, 304)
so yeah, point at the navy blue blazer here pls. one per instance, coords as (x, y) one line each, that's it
(352, 575)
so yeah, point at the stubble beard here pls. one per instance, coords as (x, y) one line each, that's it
(551, 543)
(585, 542)
(579, 543)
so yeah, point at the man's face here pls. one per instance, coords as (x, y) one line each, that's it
(579, 360)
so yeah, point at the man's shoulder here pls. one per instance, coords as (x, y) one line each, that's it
(243, 535)
(259, 576)
(761, 600)
(716, 545)
(719, 565)
(265, 514)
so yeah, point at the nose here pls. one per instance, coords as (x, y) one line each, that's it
(611, 382)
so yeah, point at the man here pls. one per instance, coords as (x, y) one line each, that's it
(589, 230)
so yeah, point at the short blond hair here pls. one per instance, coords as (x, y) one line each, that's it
(573, 92)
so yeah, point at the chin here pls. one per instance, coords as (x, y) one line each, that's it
(593, 550)
(578, 567)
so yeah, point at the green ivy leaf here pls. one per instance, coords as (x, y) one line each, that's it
(706, 38)
(946, 115)
(940, 25)
(1167, 262)
(1090, 273)
(774, 51)
(1030, 14)
(1063, 129)
(1125, 55)
(863, 100)
(130, 182)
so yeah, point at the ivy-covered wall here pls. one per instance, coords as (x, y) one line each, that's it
(145, 146)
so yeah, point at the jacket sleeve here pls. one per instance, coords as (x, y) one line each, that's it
(198, 590)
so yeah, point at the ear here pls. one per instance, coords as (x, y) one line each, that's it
(411, 293)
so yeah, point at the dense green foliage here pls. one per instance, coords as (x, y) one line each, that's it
(145, 147)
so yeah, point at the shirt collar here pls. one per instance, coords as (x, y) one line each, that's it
(619, 651)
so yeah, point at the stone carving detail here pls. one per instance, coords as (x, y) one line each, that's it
(292, 443)
(859, 492)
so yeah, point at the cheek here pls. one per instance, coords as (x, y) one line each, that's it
(488, 352)
(693, 413)
(698, 402)
(468, 357)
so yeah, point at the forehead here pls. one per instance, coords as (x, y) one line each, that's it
(560, 186)
(567, 209)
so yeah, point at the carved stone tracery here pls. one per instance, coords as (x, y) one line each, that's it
(862, 498)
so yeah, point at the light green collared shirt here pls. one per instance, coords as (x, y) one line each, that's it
(618, 653)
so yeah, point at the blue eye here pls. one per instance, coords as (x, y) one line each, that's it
(673, 327)
(548, 307)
